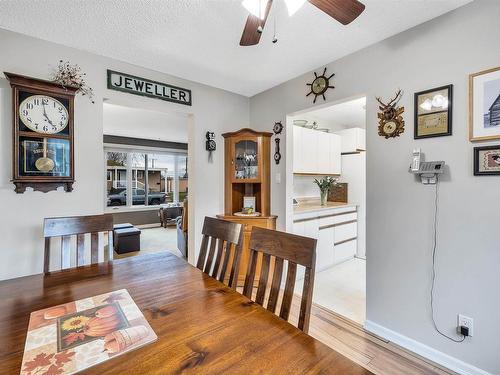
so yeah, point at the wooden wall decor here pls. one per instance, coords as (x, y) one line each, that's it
(43, 140)
(391, 123)
(319, 85)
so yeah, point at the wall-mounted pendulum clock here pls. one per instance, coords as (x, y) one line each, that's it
(43, 151)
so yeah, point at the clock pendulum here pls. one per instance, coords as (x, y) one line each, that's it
(44, 164)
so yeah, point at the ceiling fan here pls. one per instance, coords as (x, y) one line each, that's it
(344, 11)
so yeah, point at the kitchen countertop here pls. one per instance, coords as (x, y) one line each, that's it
(315, 205)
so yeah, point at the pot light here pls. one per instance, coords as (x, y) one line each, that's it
(256, 7)
(293, 6)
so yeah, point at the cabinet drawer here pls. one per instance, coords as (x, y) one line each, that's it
(345, 251)
(345, 232)
(337, 219)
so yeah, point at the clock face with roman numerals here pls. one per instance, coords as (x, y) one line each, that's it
(43, 114)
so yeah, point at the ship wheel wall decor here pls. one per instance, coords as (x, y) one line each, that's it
(319, 85)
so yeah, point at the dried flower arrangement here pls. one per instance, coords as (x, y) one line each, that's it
(67, 74)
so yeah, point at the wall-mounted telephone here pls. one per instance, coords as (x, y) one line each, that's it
(427, 170)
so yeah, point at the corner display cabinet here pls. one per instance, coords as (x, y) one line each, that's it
(247, 170)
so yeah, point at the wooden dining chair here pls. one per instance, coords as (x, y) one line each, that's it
(221, 245)
(276, 247)
(66, 227)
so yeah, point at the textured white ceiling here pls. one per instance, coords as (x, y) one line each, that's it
(199, 39)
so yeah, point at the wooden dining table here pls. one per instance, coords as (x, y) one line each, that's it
(202, 325)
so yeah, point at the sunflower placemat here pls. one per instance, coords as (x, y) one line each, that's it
(69, 338)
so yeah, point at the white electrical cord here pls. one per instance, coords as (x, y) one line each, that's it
(434, 249)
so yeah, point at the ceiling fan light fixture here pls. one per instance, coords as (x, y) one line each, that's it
(256, 7)
(293, 6)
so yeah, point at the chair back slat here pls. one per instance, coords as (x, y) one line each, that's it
(78, 226)
(276, 248)
(46, 256)
(211, 253)
(264, 275)
(109, 254)
(220, 250)
(225, 262)
(220, 244)
(65, 252)
(276, 285)
(94, 247)
(286, 303)
(80, 249)
(250, 277)
(305, 308)
(203, 252)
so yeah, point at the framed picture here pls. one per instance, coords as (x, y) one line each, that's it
(433, 110)
(484, 105)
(487, 160)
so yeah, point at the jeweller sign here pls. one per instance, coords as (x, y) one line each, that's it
(145, 87)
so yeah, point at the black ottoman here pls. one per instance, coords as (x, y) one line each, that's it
(119, 226)
(127, 240)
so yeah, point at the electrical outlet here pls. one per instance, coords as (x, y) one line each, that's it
(466, 322)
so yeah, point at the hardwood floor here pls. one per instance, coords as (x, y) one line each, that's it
(373, 353)
(351, 340)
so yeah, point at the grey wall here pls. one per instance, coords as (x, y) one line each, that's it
(399, 209)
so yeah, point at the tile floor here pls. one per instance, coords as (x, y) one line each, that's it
(342, 289)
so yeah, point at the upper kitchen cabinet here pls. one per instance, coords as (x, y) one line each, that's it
(353, 140)
(316, 152)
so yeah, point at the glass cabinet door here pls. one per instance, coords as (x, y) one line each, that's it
(246, 160)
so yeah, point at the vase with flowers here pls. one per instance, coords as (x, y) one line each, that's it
(325, 184)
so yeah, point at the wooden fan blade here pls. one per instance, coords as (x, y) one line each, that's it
(250, 34)
(344, 11)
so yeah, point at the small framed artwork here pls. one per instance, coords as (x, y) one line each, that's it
(433, 110)
(487, 160)
(484, 105)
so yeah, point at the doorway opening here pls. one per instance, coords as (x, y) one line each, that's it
(146, 179)
(329, 141)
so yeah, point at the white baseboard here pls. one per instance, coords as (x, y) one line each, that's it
(425, 351)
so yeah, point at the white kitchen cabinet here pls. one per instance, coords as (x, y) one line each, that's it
(323, 154)
(345, 251)
(299, 164)
(335, 154)
(353, 140)
(304, 142)
(324, 249)
(336, 232)
(316, 152)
